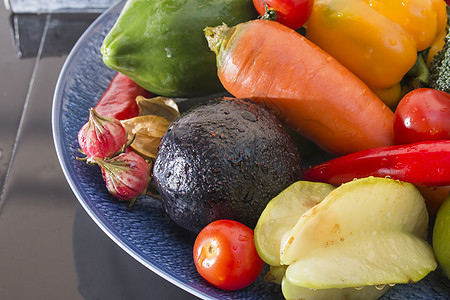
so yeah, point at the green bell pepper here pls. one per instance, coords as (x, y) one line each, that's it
(160, 44)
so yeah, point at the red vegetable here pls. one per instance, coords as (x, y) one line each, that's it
(126, 175)
(422, 115)
(422, 164)
(119, 99)
(101, 136)
(292, 13)
(225, 255)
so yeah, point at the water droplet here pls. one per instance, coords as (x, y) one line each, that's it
(392, 42)
(406, 21)
(249, 116)
(368, 53)
(407, 122)
(379, 287)
(358, 288)
(169, 53)
(434, 131)
(399, 166)
(242, 238)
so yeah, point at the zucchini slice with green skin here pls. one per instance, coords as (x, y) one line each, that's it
(282, 213)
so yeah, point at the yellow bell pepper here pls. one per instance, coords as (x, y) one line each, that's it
(437, 45)
(377, 40)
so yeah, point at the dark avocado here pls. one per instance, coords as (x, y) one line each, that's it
(225, 159)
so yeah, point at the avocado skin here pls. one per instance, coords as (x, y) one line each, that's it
(225, 159)
(160, 44)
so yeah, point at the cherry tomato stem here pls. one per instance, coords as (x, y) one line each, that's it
(291, 13)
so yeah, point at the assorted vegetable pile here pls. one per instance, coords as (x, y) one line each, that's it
(377, 40)
(314, 94)
(365, 233)
(365, 82)
(160, 44)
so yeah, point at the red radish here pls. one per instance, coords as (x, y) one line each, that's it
(126, 175)
(101, 136)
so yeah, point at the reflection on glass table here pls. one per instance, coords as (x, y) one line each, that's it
(105, 271)
(62, 32)
(59, 6)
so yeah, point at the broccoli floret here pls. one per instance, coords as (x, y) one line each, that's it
(437, 75)
(440, 68)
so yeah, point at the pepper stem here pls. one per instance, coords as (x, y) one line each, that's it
(418, 76)
(419, 72)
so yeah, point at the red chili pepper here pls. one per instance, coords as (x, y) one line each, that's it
(119, 99)
(423, 164)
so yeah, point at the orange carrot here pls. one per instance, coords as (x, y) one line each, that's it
(310, 91)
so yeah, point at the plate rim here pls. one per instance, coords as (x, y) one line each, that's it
(56, 122)
(57, 132)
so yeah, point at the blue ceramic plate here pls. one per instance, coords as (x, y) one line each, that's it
(144, 231)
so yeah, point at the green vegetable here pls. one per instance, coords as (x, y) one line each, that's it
(441, 237)
(418, 76)
(440, 68)
(160, 44)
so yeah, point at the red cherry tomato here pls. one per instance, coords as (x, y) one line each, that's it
(292, 13)
(422, 115)
(225, 255)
